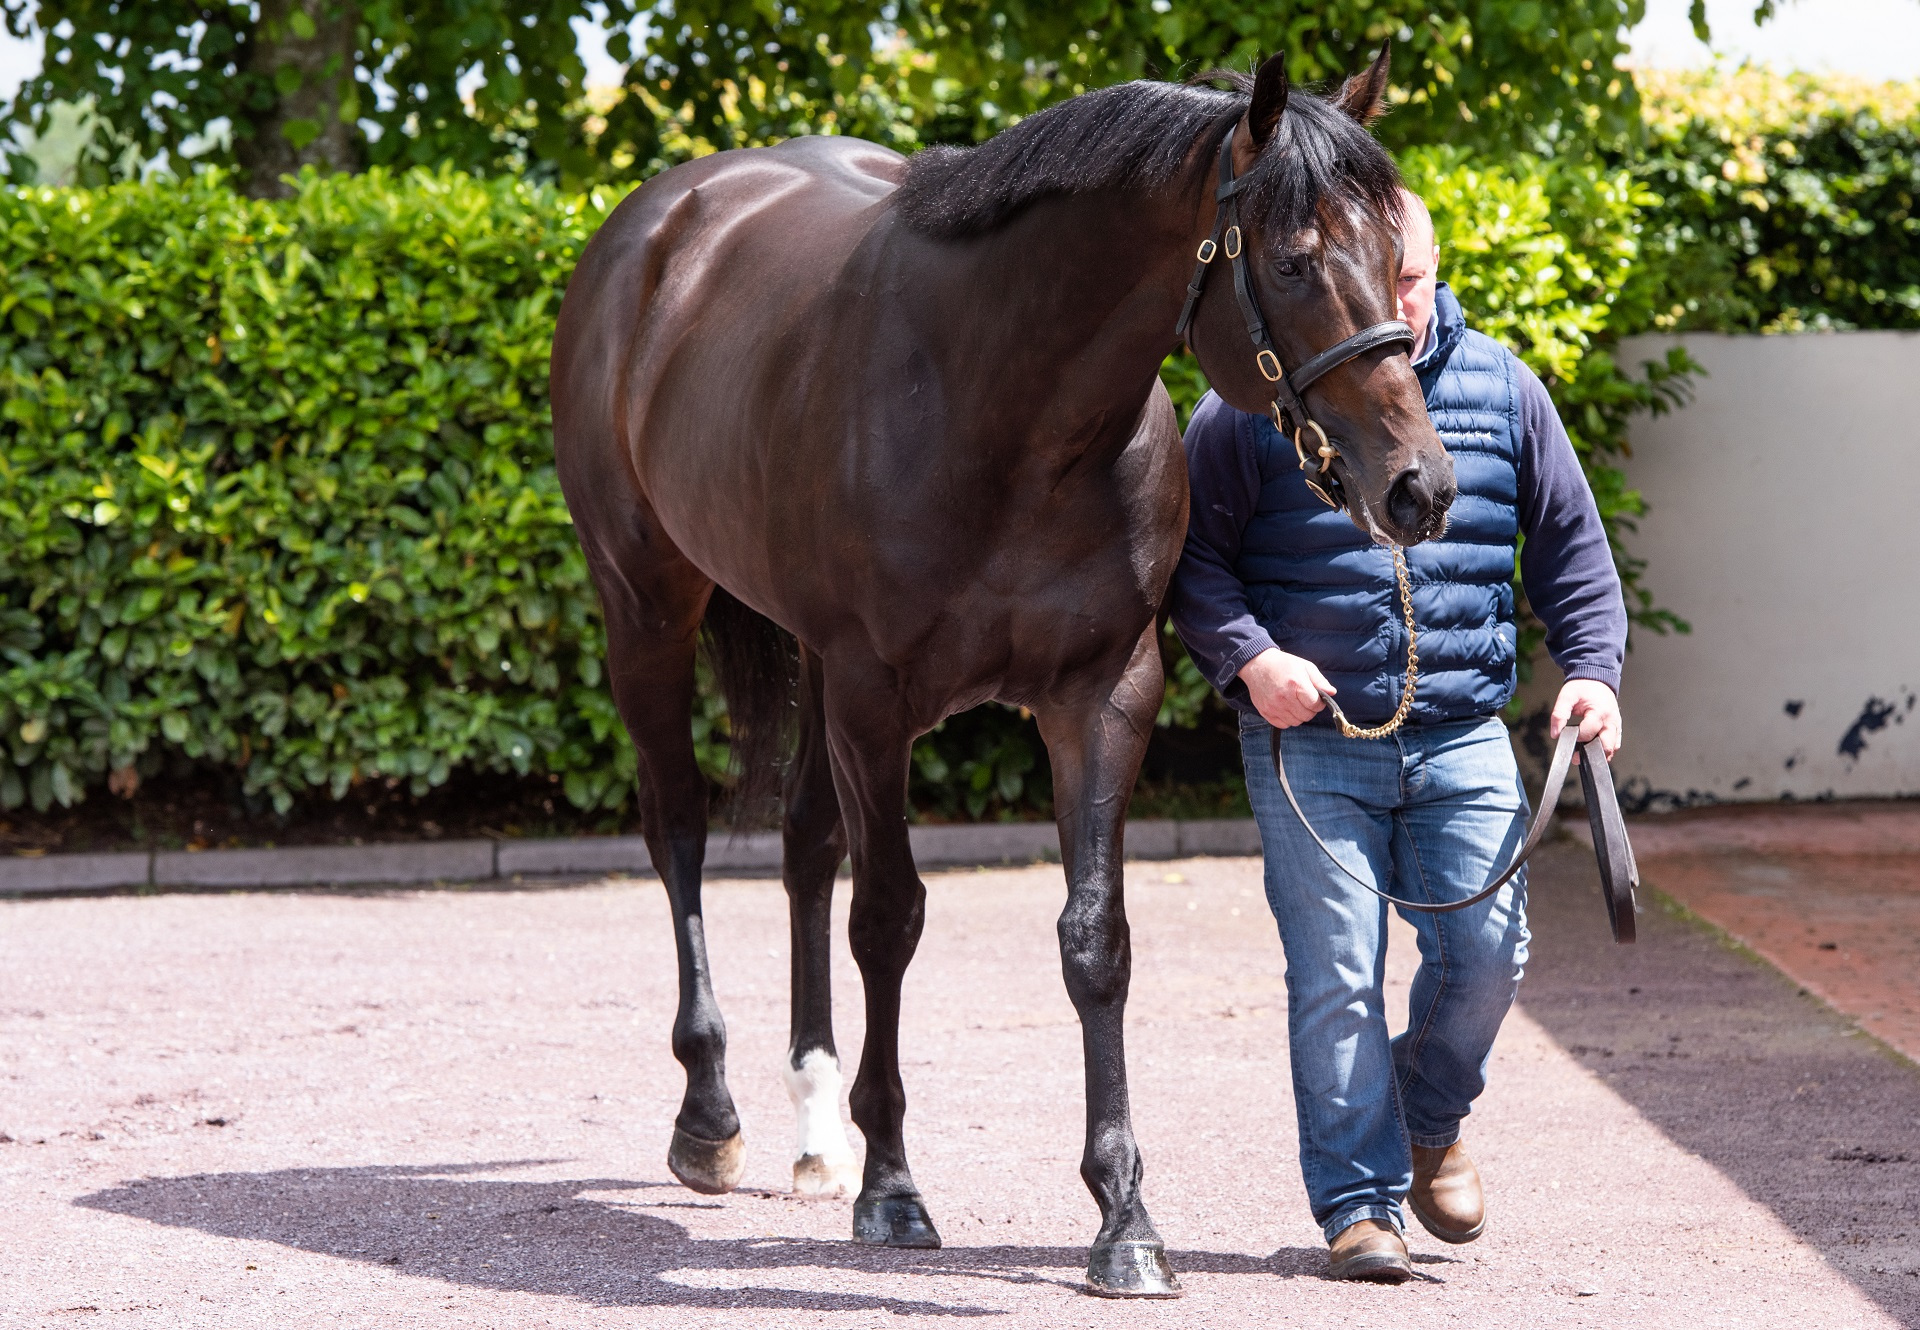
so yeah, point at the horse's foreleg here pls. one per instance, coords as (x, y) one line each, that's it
(871, 748)
(814, 842)
(1096, 748)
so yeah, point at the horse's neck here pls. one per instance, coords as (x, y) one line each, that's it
(1089, 290)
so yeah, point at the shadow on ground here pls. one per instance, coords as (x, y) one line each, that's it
(1737, 1064)
(556, 1238)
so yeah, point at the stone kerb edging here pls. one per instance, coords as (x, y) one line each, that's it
(976, 845)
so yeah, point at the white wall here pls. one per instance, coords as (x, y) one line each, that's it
(1784, 524)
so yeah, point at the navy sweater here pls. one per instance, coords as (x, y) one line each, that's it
(1566, 565)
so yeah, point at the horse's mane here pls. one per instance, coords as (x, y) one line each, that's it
(1140, 137)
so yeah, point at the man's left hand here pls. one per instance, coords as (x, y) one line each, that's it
(1594, 706)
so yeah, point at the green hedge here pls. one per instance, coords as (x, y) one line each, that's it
(1788, 202)
(277, 492)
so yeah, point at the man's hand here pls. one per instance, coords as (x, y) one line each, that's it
(1593, 704)
(1286, 690)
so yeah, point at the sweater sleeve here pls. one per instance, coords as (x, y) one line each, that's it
(1566, 563)
(1208, 602)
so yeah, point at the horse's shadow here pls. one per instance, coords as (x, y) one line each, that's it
(548, 1237)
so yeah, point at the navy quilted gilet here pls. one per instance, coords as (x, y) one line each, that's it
(1325, 592)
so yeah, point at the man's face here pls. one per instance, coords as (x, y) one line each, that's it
(1419, 272)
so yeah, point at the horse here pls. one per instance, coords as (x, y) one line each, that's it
(887, 434)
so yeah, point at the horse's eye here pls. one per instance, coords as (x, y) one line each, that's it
(1287, 268)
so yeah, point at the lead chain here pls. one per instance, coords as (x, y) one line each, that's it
(1347, 727)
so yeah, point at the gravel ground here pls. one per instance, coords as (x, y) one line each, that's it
(451, 1108)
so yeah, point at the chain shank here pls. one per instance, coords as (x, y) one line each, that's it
(1347, 727)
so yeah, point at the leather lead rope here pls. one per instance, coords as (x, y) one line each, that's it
(1619, 875)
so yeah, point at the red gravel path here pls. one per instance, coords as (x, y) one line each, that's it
(451, 1108)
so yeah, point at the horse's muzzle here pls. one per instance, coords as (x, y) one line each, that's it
(1417, 503)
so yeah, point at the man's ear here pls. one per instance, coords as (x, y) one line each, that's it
(1269, 100)
(1363, 96)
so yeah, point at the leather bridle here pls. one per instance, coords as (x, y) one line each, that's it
(1290, 414)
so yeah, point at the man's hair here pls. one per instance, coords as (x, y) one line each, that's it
(1413, 210)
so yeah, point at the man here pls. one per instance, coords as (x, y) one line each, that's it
(1281, 600)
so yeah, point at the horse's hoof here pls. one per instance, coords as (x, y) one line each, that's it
(893, 1221)
(1132, 1270)
(825, 1176)
(709, 1167)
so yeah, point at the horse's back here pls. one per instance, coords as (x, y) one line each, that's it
(699, 234)
(692, 284)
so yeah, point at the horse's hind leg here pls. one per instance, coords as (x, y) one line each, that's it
(653, 601)
(814, 842)
(1096, 743)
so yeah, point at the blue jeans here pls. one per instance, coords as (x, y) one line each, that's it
(1429, 814)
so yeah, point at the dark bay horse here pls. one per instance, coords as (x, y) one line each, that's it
(893, 430)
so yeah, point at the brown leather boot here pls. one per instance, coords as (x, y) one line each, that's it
(1371, 1249)
(1446, 1196)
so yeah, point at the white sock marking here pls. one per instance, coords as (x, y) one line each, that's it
(814, 1087)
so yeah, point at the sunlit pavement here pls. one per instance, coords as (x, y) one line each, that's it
(451, 1108)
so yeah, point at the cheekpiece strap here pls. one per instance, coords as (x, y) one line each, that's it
(1210, 247)
(1264, 354)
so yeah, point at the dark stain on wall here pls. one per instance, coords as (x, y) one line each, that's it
(1637, 795)
(1873, 717)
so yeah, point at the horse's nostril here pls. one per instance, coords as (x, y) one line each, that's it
(1412, 500)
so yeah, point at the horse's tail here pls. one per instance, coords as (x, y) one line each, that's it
(757, 665)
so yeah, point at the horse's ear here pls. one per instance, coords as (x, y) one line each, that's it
(1269, 99)
(1363, 96)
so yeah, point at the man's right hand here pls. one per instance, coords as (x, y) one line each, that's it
(1286, 690)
